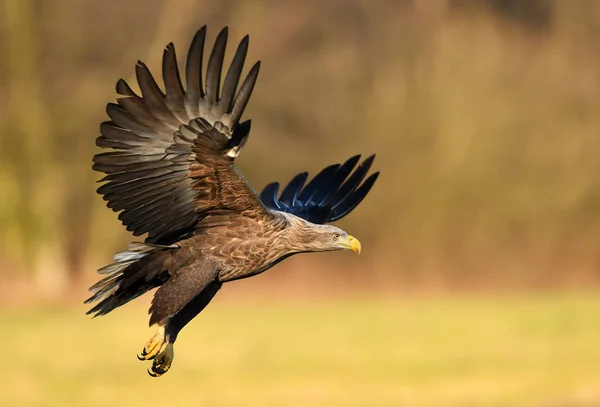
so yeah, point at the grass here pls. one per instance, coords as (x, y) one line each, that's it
(475, 351)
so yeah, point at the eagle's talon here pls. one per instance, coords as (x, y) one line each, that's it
(162, 362)
(155, 346)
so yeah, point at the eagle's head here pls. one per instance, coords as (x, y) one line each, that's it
(304, 236)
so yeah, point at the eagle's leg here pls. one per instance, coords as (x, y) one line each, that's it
(160, 347)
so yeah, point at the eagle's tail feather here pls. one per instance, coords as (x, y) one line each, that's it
(134, 272)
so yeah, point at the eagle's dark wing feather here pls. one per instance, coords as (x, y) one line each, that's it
(170, 154)
(329, 196)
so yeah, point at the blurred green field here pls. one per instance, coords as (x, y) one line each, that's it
(539, 350)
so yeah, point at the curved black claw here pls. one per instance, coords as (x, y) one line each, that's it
(157, 370)
(144, 355)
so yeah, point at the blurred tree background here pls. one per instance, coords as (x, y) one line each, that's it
(484, 116)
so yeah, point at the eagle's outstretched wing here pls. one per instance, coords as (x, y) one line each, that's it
(329, 196)
(171, 154)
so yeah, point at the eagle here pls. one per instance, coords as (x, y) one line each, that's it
(169, 172)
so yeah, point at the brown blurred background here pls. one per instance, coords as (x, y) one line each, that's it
(483, 114)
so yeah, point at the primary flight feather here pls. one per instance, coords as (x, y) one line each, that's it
(170, 173)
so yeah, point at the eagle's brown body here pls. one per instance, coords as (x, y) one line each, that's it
(170, 173)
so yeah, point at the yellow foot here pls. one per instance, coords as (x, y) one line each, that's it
(162, 362)
(155, 345)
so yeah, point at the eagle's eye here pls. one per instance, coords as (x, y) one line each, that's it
(336, 235)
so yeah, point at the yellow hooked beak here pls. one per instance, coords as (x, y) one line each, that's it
(351, 243)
